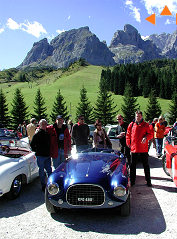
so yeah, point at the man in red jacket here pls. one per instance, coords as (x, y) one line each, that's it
(137, 137)
(60, 147)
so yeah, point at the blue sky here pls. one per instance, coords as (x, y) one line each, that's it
(23, 22)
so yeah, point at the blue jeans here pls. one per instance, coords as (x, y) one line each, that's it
(159, 143)
(57, 161)
(44, 163)
(80, 148)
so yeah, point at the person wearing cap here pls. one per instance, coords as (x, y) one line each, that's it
(80, 134)
(60, 138)
(31, 128)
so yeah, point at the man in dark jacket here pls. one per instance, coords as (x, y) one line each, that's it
(80, 134)
(40, 144)
(137, 137)
(121, 135)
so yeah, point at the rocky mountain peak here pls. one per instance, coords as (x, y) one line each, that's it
(130, 29)
(126, 46)
(68, 47)
(39, 52)
(129, 35)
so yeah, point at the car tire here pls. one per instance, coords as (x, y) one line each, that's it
(173, 168)
(164, 165)
(16, 188)
(125, 208)
(50, 207)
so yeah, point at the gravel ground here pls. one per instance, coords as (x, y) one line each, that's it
(153, 214)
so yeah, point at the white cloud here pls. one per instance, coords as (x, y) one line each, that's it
(60, 31)
(156, 6)
(135, 11)
(50, 37)
(129, 2)
(12, 24)
(145, 37)
(168, 21)
(69, 17)
(1, 30)
(89, 17)
(36, 29)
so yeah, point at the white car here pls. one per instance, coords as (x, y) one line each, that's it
(111, 131)
(18, 166)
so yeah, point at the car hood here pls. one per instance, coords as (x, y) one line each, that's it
(90, 165)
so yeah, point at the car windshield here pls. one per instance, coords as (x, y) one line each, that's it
(91, 127)
(4, 133)
(174, 132)
(107, 128)
(22, 143)
(111, 131)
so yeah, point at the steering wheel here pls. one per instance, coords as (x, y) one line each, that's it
(4, 149)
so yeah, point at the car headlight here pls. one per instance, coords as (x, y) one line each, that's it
(119, 191)
(53, 188)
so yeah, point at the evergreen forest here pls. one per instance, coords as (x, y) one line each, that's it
(157, 75)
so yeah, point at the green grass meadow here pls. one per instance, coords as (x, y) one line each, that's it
(70, 85)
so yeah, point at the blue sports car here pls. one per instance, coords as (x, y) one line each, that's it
(90, 180)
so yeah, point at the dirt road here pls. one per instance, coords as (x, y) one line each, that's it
(153, 214)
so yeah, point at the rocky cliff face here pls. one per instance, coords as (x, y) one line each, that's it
(167, 43)
(39, 52)
(129, 47)
(68, 47)
(126, 46)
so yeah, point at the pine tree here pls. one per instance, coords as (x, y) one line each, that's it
(84, 107)
(104, 107)
(59, 108)
(39, 107)
(173, 108)
(130, 106)
(4, 117)
(153, 109)
(19, 109)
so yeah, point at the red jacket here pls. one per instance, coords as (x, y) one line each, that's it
(135, 134)
(54, 142)
(159, 130)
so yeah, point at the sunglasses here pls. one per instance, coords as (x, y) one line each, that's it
(119, 118)
(81, 118)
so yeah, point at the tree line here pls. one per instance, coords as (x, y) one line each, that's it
(157, 75)
(103, 109)
(150, 79)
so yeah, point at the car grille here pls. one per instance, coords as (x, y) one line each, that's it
(85, 195)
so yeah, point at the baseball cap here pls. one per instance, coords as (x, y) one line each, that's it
(59, 117)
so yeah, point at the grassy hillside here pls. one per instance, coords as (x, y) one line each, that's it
(69, 83)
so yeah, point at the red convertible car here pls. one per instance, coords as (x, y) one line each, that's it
(169, 158)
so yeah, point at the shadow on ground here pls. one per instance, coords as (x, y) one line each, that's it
(30, 198)
(145, 215)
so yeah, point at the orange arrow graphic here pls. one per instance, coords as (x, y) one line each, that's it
(166, 12)
(151, 19)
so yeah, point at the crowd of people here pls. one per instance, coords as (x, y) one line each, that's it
(52, 143)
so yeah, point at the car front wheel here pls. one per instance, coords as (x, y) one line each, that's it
(16, 188)
(164, 165)
(50, 207)
(125, 208)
